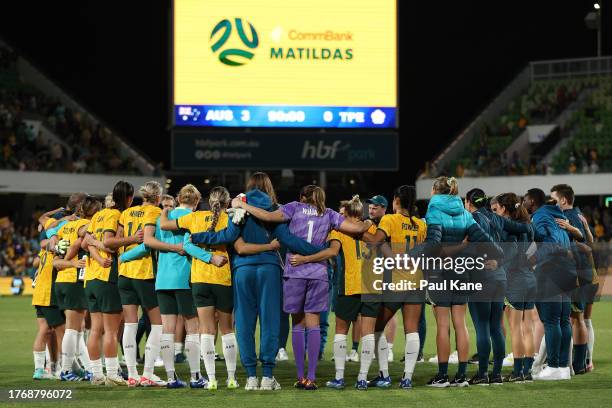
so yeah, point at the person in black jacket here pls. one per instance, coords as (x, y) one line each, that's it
(521, 288)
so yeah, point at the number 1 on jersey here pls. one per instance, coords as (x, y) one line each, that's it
(310, 228)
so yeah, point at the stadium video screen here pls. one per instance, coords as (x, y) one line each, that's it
(270, 63)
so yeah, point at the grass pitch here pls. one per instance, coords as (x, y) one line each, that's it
(18, 327)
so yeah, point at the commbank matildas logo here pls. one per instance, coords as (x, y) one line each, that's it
(234, 56)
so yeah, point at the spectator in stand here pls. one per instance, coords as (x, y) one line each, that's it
(592, 161)
(26, 151)
(600, 231)
(459, 170)
(16, 250)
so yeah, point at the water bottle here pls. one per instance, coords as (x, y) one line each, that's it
(81, 275)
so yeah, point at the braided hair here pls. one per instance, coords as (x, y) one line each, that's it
(218, 200)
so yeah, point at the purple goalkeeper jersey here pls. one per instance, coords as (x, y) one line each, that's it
(307, 224)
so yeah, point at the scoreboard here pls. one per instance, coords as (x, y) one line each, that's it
(288, 64)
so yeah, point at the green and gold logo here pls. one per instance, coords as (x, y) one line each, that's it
(234, 56)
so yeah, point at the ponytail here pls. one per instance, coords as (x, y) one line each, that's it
(353, 207)
(407, 197)
(514, 207)
(315, 196)
(122, 195)
(477, 198)
(151, 192)
(218, 200)
(446, 185)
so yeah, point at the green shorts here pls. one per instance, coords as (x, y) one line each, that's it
(70, 296)
(137, 292)
(176, 302)
(102, 297)
(578, 307)
(349, 307)
(210, 294)
(52, 314)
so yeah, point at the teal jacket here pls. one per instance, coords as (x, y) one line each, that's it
(447, 211)
(449, 222)
(173, 270)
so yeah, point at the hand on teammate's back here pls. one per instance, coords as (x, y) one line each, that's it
(296, 260)
(139, 236)
(237, 202)
(275, 244)
(78, 263)
(562, 223)
(218, 260)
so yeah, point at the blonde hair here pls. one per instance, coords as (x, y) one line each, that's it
(108, 201)
(261, 181)
(446, 185)
(218, 200)
(189, 195)
(151, 191)
(315, 196)
(353, 207)
(165, 197)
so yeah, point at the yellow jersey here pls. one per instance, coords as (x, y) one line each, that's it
(400, 229)
(70, 232)
(102, 221)
(42, 294)
(403, 233)
(351, 262)
(134, 219)
(201, 272)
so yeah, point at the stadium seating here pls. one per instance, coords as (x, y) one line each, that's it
(590, 147)
(75, 143)
(541, 103)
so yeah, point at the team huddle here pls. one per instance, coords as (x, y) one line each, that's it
(251, 261)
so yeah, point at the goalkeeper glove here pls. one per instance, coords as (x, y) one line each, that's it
(237, 215)
(61, 247)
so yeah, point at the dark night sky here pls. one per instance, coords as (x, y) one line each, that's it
(455, 56)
